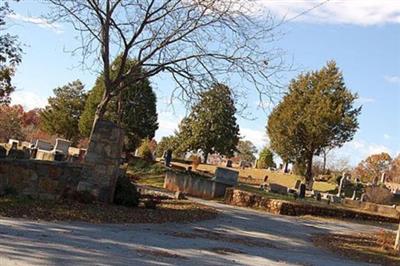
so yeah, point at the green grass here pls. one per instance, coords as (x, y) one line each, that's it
(147, 173)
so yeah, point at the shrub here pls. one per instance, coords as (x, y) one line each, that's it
(196, 160)
(144, 151)
(126, 193)
(378, 195)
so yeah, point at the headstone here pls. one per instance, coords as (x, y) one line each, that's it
(229, 163)
(302, 192)
(43, 145)
(3, 152)
(276, 188)
(62, 145)
(12, 141)
(179, 195)
(226, 176)
(168, 158)
(354, 195)
(318, 196)
(363, 196)
(297, 185)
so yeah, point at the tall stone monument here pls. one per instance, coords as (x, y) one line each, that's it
(103, 159)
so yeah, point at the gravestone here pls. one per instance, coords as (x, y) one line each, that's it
(297, 185)
(103, 159)
(226, 176)
(229, 163)
(302, 193)
(3, 152)
(383, 178)
(43, 145)
(62, 145)
(276, 188)
(341, 183)
(354, 195)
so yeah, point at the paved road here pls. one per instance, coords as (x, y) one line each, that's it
(238, 236)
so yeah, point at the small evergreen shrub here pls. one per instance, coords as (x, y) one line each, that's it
(126, 193)
(144, 151)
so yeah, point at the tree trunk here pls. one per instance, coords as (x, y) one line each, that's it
(309, 168)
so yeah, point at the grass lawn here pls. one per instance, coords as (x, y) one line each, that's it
(372, 248)
(51, 210)
(147, 173)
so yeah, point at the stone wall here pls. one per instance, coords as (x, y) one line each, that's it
(194, 184)
(247, 199)
(39, 179)
(103, 159)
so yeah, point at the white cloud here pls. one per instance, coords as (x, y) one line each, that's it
(392, 79)
(258, 137)
(356, 12)
(168, 123)
(41, 22)
(28, 99)
(386, 136)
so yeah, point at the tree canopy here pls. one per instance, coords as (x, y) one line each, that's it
(11, 121)
(134, 109)
(61, 115)
(317, 112)
(10, 55)
(373, 166)
(211, 126)
(266, 159)
(246, 150)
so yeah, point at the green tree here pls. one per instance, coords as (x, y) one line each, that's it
(246, 150)
(10, 55)
(316, 113)
(134, 109)
(61, 115)
(169, 142)
(211, 126)
(266, 159)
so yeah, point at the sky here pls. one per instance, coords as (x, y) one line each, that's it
(362, 36)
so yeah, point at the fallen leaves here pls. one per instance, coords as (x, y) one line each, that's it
(166, 211)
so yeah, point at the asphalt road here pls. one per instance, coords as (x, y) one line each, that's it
(238, 236)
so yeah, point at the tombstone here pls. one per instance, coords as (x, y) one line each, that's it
(12, 141)
(302, 192)
(229, 163)
(3, 152)
(62, 145)
(168, 158)
(354, 195)
(43, 145)
(226, 176)
(318, 196)
(297, 185)
(363, 196)
(276, 188)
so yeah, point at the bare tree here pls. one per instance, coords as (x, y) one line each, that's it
(198, 42)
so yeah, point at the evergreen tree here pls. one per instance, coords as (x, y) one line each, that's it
(316, 113)
(61, 115)
(134, 110)
(211, 126)
(266, 159)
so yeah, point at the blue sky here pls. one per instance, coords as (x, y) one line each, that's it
(362, 36)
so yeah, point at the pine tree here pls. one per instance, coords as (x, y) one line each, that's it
(316, 113)
(211, 126)
(61, 115)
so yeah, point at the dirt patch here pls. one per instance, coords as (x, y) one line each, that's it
(159, 253)
(167, 211)
(372, 248)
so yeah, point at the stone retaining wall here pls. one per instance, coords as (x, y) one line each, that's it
(246, 199)
(39, 179)
(194, 184)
